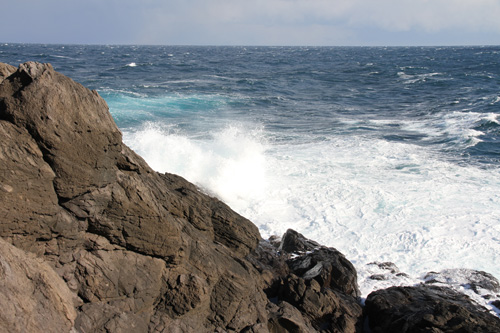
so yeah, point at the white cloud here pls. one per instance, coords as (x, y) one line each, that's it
(313, 21)
(428, 15)
(306, 22)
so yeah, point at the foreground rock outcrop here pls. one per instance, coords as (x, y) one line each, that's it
(93, 240)
(138, 250)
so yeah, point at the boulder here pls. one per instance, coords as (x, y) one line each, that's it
(326, 265)
(294, 242)
(121, 248)
(320, 282)
(105, 244)
(426, 308)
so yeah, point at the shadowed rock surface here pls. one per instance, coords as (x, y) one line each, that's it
(426, 308)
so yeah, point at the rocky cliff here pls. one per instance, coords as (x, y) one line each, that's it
(93, 240)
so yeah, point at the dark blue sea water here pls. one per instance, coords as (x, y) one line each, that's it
(388, 154)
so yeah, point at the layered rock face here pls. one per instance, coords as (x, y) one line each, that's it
(93, 240)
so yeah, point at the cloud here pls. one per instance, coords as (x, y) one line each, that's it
(313, 21)
(262, 22)
(427, 15)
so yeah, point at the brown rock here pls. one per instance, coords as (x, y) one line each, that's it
(6, 70)
(30, 207)
(33, 298)
(71, 125)
(286, 318)
(326, 309)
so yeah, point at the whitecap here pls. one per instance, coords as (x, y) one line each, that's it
(132, 64)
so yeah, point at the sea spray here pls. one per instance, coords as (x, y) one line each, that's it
(230, 164)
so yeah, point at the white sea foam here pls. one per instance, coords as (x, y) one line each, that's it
(457, 126)
(231, 164)
(132, 64)
(414, 78)
(373, 200)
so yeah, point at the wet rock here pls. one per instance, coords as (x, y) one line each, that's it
(478, 281)
(426, 308)
(294, 242)
(326, 265)
(378, 277)
(321, 284)
(388, 266)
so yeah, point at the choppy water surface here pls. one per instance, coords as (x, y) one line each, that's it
(387, 154)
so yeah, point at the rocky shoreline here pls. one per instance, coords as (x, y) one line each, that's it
(93, 240)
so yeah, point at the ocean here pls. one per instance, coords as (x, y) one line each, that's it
(385, 153)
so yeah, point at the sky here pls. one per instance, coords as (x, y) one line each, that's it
(257, 22)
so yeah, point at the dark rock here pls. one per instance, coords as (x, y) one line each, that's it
(389, 266)
(426, 308)
(321, 284)
(378, 277)
(326, 265)
(293, 242)
(329, 268)
(467, 278)
(270, 264)
(327, 310)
